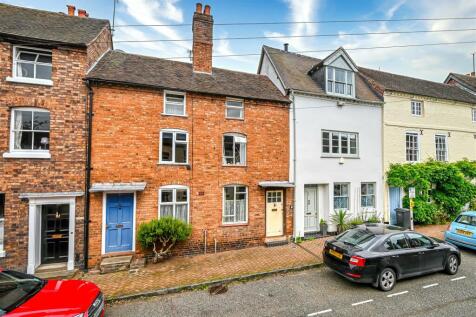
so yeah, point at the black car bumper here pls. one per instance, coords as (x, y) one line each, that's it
(367, 275)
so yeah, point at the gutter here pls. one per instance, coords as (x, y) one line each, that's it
(89, 120)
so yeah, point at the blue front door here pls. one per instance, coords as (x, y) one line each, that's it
(119, 222)
(395, 202)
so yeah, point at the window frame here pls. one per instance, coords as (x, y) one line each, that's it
(334, 196)
(245, 222)
(26, 153)
(180, 93)
(409, 239)
(421, 105)
(340, 154)
(174, 203)
(29, 80)
(233, 134)
(374, 194)
(394, 235)
(473, 115)
(332, 91)
(418, 146)
(242, 108)
(445, 137)
(2, 223)
(174, 141)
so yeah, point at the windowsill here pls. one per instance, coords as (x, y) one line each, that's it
(340, 156)
(32, 81)
(28, 155)
(173, 164)
(174, 115)
(340, 95)
(234, 165)
(231, 118)
(237, 224)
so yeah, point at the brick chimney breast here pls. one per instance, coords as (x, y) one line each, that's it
(71, 9)
(202, 28)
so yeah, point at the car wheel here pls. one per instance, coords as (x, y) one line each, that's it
(452, 265)
(387, 279)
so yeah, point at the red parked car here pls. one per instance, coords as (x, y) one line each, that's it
(24, 295)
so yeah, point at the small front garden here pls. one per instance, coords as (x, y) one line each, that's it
(442, 189)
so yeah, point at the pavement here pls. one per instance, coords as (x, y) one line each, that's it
(320, 292)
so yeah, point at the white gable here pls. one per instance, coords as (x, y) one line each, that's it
(340, 62)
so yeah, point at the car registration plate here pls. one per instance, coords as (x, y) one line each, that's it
(464, 232)
(336, 254)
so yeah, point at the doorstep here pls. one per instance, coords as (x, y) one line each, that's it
(276, 241)
(115, 264)
(56, 271)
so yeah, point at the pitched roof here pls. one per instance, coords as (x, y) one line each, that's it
(467, 80)
(46, 27)
(418, 86)
(119, 67)
(294, 68)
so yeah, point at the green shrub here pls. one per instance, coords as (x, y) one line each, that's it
(356, 221)
(162, 234)
(340, 219)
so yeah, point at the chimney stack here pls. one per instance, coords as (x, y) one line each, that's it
(286, 47)
(71, 9)
(202, 28)
(82, 13)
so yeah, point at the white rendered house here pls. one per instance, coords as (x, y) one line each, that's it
(335, 136)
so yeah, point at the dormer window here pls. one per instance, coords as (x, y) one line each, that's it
(340, 81)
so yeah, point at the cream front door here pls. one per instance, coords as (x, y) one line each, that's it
(310, 208)
(274, 213)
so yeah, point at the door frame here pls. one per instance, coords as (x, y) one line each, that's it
(104, 210)
(283, 201)
(34, 229)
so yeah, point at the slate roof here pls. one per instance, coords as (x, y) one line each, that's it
(25, 24)
(293, 69)
(119, 67)
(467, 80)
(418, 86)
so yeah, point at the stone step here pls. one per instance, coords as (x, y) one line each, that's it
(276, 241)
(115, 264)
(56, 275)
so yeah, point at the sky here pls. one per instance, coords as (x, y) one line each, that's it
(429, 62)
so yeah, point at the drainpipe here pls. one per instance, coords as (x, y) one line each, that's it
(89, 120)
(294, 158)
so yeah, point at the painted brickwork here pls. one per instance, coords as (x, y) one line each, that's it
(126, 133)
(64, 172)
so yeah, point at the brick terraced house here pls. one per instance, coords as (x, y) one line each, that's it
(202, 144)
(44, 57)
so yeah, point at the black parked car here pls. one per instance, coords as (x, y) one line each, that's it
(381, 254)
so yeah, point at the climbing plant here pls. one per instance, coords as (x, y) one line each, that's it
(442, 189)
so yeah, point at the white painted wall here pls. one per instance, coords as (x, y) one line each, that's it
(313, 114)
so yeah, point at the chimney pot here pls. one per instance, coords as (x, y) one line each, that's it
(207, 10)
(71, 9)
(286, 47)
(82, 13)
(199, 8)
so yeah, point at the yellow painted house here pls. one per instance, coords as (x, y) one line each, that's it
(422, 120)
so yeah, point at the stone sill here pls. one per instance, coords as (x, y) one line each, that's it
(31, 81)
(27, 155)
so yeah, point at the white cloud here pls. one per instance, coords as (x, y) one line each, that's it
(300, 11)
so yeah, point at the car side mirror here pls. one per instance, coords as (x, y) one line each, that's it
(434, 245)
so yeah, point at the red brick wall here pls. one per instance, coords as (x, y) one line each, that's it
(126, 128)
(64, 172)
(99, 46)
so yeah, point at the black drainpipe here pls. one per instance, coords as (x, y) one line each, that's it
(89, 120)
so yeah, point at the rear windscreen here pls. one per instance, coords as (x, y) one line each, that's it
(467, 220)
(356, 237)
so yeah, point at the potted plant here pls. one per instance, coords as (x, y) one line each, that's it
(323, 227)
(340, 219)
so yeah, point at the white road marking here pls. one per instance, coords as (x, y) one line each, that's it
(320, 312)
(363, 302)
(430, 285)
(458, 278)
(397, 294)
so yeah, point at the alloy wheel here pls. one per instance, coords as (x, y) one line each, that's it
(387, 280)
(453, 264)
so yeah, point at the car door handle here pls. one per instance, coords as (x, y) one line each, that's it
(421, 252)
(395, 256)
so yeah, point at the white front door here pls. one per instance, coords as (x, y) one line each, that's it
(274, 213)
(310, 209)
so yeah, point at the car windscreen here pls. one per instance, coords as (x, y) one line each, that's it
(467, 220)
(16, 288)
(357, 237)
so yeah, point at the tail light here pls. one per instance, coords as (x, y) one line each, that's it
(357, 261)
(449, 226)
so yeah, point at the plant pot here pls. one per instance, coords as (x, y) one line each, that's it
(323, 227)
